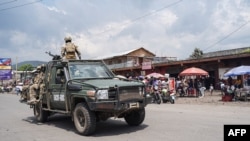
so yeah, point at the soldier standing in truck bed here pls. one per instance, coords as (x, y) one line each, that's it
(70, 50)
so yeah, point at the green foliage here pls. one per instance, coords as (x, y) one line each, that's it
(25, 67)
(196, 54)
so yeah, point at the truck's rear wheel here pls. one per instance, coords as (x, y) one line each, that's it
(84, 119)
(135, 117)
(40, 114)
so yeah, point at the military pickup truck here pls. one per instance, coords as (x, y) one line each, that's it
(89, 92)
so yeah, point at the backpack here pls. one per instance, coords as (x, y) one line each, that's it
(70, 47)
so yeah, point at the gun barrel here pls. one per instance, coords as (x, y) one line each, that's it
(55, 57)
(50, 54)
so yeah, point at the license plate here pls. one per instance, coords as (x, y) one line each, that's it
(133, 105)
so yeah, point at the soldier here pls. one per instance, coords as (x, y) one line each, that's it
(34, 88)
(42, 83)
(24, 96)
(70, 49)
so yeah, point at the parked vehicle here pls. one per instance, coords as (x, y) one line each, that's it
(168, 95)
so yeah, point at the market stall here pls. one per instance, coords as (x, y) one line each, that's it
(192, 73)
(243, 93)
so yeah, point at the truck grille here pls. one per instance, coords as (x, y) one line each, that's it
(112, 94)
(126, 93)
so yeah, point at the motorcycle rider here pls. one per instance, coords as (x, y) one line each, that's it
(155, 90)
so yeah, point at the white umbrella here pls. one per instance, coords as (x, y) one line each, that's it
(121, 77)
(155, 75)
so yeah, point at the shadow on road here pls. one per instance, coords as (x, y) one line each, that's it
(111, 127)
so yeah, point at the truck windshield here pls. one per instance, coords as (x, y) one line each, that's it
(86, 71)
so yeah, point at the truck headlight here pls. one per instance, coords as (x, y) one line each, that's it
(102, 94)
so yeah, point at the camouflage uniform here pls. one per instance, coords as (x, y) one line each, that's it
(24, 95)
(70, 49)
(42, 83)
(25, 91)
(38, 80)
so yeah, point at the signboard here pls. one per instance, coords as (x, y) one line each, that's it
(5, 62)
(146, 65)
(5, 74)
(5, 69)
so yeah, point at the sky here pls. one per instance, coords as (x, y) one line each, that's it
(167, 28)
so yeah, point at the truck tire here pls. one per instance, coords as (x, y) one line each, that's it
(84, 119)
(40, 114)
(135, 117)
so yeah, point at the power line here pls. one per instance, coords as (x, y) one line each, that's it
(7, 2)
(21, 5)
(146, 15)
(158, 10)
(210, 46)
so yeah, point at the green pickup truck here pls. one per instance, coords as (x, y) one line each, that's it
(89, 92)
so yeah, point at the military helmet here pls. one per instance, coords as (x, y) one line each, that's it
(38, 67)
(67, 39)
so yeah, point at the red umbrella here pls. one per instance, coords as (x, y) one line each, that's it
(193, 72)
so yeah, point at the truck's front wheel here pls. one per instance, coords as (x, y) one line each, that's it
(135, 117)
(84, 119)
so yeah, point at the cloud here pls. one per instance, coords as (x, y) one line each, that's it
(102, 27)
(18, 38)
(54, 9)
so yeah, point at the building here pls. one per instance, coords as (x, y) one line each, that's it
(142, 62)
(134, 62)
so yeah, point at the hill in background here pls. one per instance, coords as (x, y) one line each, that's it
(33, 63)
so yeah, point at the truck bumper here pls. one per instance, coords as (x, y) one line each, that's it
(117, 106)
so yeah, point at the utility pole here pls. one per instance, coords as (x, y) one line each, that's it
(16, 71)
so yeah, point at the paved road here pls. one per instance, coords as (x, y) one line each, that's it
(172, 122)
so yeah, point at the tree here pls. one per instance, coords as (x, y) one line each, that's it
(196, 54)
(25, 67)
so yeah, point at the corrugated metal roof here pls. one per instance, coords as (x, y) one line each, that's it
(226, 52)
(111, 55)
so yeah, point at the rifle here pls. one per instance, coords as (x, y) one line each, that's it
(55, 57)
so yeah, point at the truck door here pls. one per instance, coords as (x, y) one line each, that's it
(57, 88)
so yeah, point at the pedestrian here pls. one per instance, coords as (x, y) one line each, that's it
(211, 89)
(248, 80)
(230, 81)
(238, 82)
(19, 88)
(70, 50)
(202, 91)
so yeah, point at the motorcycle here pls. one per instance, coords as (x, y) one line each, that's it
(156, 95)
(168, 96)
